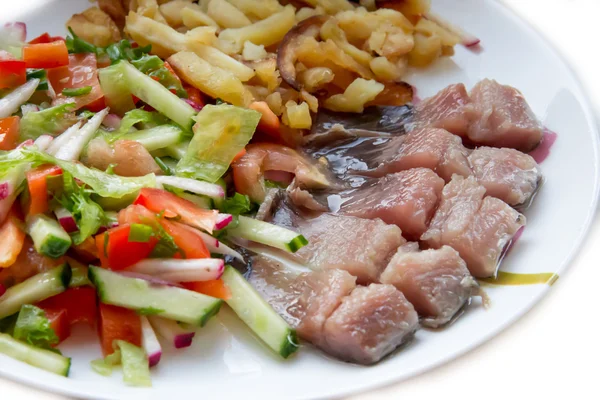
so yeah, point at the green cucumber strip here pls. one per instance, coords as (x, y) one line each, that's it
(44, 359)
(269, 234)
(140, 233)
(79, 274)
(34, 289)
(156, 95)
(49, 238)
(114, 87)
(164, 301)
(258, 314)
(156, 138)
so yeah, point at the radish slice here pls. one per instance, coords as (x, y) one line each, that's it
(66, 220)
(43, 142)
(16, 30)
(2, 290)
(215, 246)
(180, 335)
(466, 39)
(153, 280)
(192, 185)
(27, 108)
(112, 121)
(177, 270)
(11, 103)
(194, 105)
(71, 150)
(4, 190)
(223, 220)
(63, 138)
(150, 342)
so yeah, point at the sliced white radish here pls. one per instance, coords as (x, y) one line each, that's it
(223, 220)
(150, 342)
(466, 39)
(178, 270)
(180, 335)
(192, 185)
(66, 220)
(43, 142)
(112, 121)
(27, 143)
(27, 108)
(10, 103)
(71, 150)
(215, 246)
(63, 138)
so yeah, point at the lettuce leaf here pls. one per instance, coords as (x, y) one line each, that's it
(51, 121)
(137, 116)
(236, 205)
(155, 67)
(33, 327)
(133, 359)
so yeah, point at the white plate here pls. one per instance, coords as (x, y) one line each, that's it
(228, 362)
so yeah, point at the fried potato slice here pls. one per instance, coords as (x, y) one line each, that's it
(95, 26)
(356, 95)
(227, 15)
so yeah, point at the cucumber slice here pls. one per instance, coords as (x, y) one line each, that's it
(79, 274)
(44, 359)
(49, 238)
(34, 289)
(153, 299)
(156, 138)
(114, 87)
(269, 234)
(178, 150)
(158, 96)
(258, 314)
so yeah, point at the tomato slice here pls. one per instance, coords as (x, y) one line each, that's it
(78, 303)
(45, 38)
(117, 252)
(81, 71)
(59, 323)
(161, 201)
(13, 73)
(215, 288)
(117, 323)
(9, 130)
(269, 122)
(38, 187)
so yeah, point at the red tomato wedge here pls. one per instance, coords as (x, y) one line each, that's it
(269, 122)
(81, 71)
(59, 323)
(38, 187)
(45, 38)
(9, 131)
(214, 288)
(117, 323)
(185, 237)
(115, 250)
(158, 201)
(12, 238)
(194, 95)
(78, 303)
(46, 55)
(13, 73)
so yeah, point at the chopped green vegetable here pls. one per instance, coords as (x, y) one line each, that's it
(114, 87)
(51, 121)
(39, 358)
(136, 369)
(77, 45)
(236, 205)
(220, 132)
(133, 117)
(38, 74)
(123, 50)
(140, 233)
(164, 167)
(33, 327)
(104, 366)
(74, 92)
(7, 324)
(154, 67)
(150, 311)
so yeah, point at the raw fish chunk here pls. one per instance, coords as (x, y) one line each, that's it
(370, 323)
(505, 118)
(407, 199)
(507, 174)
(436, 282)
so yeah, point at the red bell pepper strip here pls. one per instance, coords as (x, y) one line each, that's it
(269, 122)
(215, 288)
(115, 250)
(13, 73)
(161, 201)
(118, 323)
(12, 238)
(59, 324)
(9, 132)
(78, 303)
(38, 187)
(45, 38)
(46, 55)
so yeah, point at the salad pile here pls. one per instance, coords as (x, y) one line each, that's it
(116, 207)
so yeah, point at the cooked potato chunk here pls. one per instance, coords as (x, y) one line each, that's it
(219, 59)
(227, 15)
(173, 11)
(307, 12)
(266, 72)
(266, 32)
(214, 81)
(116, 9)
(355, 96)
(149, 8)
(385, 70)
(253, 52)
(296, 116)
(313, 54)
(331, 6)
(312, 101)
(427, 49)
(430, 28)
(275, 103)
(193, 18)
(95, 26)
(259, 9)
(315, 78)
(331, 30)
(359, 24)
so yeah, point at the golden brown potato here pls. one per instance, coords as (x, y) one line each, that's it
(394, 94)
(385, 70)
(275, 103)
(116, 9)
(226, 14)
(193, 18)
(267, 32)
(219, 59)
(253, 52)
(266, 72)
(427, 49)
(331, 31)
(95, 26)
(172, 11)
(312, 101)
(430, 28)
(296, 116)
(356, 95)
(359, 24)
(164, 39)
(390, 41)
(149, 8)
(331, 6)
(259, 9)
(410, 8)
(307, 12)
(214, 81)
(313, 79)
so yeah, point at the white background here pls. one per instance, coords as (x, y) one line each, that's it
(553, 351)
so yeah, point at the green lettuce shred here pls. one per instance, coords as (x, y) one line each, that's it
(133, 359)
(33, 327)
(51, 121)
